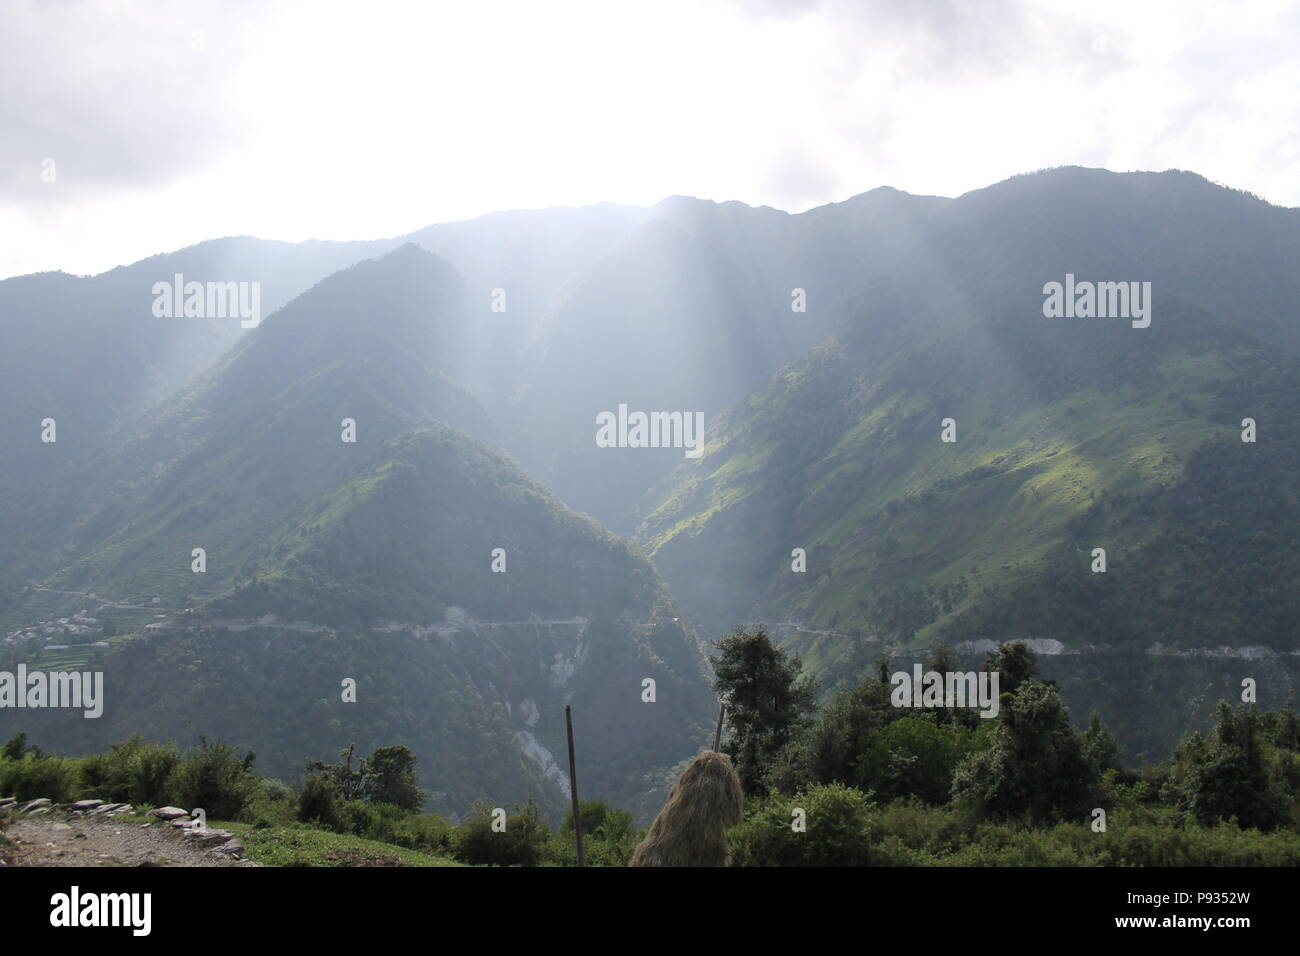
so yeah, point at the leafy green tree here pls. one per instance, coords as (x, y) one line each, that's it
(913, 756)
(389, 777)
(1100, 746)
(1014, 664)
(829, 749)
(1036, 768)
(386, 776)
(1229, 775)
(767, 700)
(943, 660)
(15, 747)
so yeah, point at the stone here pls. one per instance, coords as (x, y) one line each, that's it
(30, 805)
(208, 835)
(84, 805)
(168, 813)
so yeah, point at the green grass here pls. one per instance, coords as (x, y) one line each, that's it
(301, 845)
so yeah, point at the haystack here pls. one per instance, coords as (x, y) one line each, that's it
(690, 829)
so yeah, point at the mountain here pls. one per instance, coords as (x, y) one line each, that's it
(89, 353)
(824, 350)
(1071, 434)
(371, 559)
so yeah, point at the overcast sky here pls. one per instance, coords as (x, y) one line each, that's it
(170, 123)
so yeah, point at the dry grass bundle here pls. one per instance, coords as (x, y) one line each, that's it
(690, 829)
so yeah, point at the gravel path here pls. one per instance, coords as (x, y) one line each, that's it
(97, 841)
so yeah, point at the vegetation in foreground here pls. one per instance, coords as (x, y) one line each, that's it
(873, 784)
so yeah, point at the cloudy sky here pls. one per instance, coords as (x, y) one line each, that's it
(130, 128)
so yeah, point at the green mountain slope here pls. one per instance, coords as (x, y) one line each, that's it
(328, 559)
(1072, 434)
(387, 580)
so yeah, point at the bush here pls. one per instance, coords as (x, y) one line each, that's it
(839, 829)
(58, 778)
(133, 771)
(273, 805)
(431, 834)
(214, 779)
(523, 842)
(318, 803)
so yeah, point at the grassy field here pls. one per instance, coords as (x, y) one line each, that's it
(305, 846)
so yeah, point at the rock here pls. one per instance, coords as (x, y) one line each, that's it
(58, 827)
(84, 805)
(168, 813)
(208, 835)
(38, 811)
(7, 802)
(233, 847)
(145, 826)
(184, 824)
(30, 805)
(110, 808)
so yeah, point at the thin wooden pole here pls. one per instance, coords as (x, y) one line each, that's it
(717, 734)
(573, 784)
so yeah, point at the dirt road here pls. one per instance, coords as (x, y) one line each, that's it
(99, 841)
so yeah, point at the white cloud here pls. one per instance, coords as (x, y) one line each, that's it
(342, 121)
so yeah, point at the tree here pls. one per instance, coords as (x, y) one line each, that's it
(386, 776)
(346, 782)
(1100, 746)
(389, 777)
(1036, 768)
(913, 756)
(767, 700)
(829, 749)
(15, 747)
(1014, 664)
(942, 659)
(1229, 776)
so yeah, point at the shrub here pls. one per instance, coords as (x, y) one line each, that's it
(430, 833)
(839, 829)
(273, 805)
(58, 778)
(212, 778)
(132, 771)
(318, 803)
(523, 842)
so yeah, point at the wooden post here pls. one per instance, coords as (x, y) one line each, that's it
(573, 784)
(717, 734)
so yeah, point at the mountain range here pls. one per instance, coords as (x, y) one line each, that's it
(883, 395)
